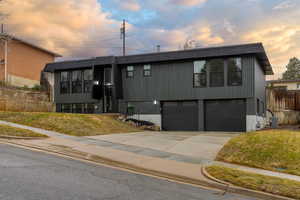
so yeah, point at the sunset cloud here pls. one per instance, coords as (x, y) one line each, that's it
(62, 26)
(284, 5)
(187, 2)
(281, 42)
(131, 5)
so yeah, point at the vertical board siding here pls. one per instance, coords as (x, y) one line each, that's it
(260, 83)
(174, 81)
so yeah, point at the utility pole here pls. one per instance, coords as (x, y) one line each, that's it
(123, 36)
(5, 38)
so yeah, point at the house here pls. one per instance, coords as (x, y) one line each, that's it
(21, 62)
(285, 84)
(205, 89)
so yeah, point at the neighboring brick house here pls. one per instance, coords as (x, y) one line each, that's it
(21, 62)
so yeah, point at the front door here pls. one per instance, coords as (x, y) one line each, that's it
(107, 100)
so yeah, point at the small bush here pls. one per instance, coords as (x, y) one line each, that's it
(36, 87)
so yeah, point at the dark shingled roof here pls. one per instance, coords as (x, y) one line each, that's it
(75, 64)
(256, 49)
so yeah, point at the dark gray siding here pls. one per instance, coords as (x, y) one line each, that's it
(174, 81)
(140, 107)
(260, 84)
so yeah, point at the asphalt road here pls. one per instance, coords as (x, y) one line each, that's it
(30, 175)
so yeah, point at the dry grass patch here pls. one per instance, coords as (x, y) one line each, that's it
(277, 150)
(273, 185)
(17, 132)
(71, 124)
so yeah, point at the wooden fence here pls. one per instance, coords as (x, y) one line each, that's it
(281, 99)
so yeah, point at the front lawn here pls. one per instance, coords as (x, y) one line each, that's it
(71, 124)
(273, 185)
(277, 150)
(17, 132)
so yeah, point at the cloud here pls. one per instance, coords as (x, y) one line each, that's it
(281, 41)
(187, 2)
(131, 5)
(71, 27)
(205, 36)
(229, 27)
(284, 5)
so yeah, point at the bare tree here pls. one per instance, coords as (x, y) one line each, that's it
(191, 44)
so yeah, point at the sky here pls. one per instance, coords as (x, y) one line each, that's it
(86, 28)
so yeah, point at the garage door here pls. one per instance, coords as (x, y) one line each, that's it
(225, 115)
(180, 116)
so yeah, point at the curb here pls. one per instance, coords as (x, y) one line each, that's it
(239, 190)
(21, 138)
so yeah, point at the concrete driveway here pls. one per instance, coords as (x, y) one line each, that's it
(194, 144)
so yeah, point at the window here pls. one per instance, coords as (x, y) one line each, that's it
(77, 81)
(129, 71)
(64, 83)
(235, 72)
(200, 74)
(216, 71)
(87, 80)
(66, 108)
(77, 108)
(89, 108)
(258, 106)
(147, 70)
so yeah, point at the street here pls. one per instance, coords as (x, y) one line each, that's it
(30, 175)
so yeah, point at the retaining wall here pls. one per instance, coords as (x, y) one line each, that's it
(12, 99)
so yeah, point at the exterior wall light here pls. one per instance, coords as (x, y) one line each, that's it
(155, 102)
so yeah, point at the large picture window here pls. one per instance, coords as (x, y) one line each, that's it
(129, 71)
(216, 71)
(64, 83)
(87, 80)
(77, 81)
(200, 73)
(235, 76)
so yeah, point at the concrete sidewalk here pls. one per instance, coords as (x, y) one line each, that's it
(164, 164)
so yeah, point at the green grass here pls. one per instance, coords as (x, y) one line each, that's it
(273, 185)
(277, 150)
(71, 124)
(11, 131)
